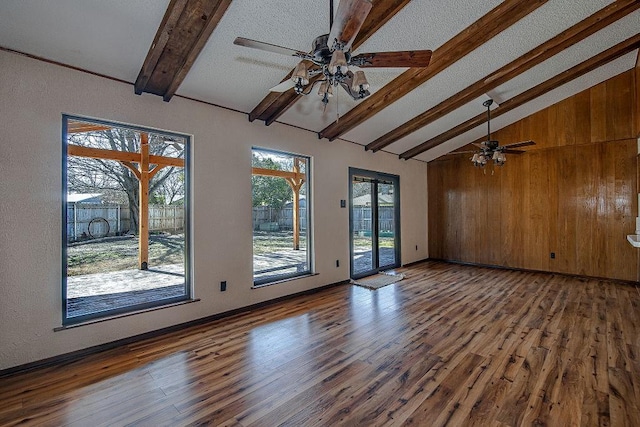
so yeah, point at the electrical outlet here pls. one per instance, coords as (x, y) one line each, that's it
(223, 286)
(337, 263)
(553, 255)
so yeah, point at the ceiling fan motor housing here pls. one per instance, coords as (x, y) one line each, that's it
(492, 144)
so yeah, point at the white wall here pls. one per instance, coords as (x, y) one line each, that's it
(34, 95)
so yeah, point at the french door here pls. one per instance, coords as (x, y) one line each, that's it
(374, 221)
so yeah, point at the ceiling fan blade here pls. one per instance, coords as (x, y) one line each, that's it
(347, 22)
(402, 58)
(241, 41)
(508, 151)
(519, 144)
(283, 87)
(461, 152)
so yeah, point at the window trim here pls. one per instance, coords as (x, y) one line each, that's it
(137, 308)
(310, 271)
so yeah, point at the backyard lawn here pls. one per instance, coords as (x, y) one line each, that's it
(121, 253)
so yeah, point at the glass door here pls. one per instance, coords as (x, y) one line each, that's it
(374, 201)
(386, 224)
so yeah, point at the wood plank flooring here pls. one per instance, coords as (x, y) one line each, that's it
(449, 345)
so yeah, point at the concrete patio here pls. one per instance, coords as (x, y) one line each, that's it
(94, 293)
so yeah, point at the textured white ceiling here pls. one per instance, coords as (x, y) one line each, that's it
(531, 31)
(107, 37)
(113, 37)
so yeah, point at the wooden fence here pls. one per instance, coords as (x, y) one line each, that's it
(88, 220)
(362, 218)
(266, 218)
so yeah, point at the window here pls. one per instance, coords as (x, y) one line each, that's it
(125, 216)
(281, 205)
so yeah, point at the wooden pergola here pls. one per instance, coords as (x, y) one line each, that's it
(140, 163)
(144, 166)
(296, 180)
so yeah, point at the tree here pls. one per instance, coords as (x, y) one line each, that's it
(267, 190)
(172, 188)
(114, 180)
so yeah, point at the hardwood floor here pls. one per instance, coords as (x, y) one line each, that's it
(449, 345)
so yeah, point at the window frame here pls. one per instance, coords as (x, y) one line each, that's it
(188, 268)
(278, 278)
(375, 177)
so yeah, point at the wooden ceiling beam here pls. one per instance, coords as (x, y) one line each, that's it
(567, 38)
(591, 64)
(494, 22)
(185, 29)
(276, 103)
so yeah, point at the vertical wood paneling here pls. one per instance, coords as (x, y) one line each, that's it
(537, 220)
(479, 232)
(598, 116)
(455, 200)
(620, 105)
(514, 198)
(467, 216)
(565, 193)
(624, 200)
(494, 216)
(435, 206)
(554, 134)
(607, 214)
(574, 193)
(636, 82)
(582, 117)
(587, 177)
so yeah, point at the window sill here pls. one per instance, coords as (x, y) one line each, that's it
(118, 316)
(288, 279)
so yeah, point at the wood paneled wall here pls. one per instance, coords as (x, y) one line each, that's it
(638, 96)
(574, 193)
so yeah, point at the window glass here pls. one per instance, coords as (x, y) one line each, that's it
(125, 215)
(280, 191)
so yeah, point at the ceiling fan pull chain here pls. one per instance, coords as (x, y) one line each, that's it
(337, 105)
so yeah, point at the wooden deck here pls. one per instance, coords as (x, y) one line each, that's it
(450, 345)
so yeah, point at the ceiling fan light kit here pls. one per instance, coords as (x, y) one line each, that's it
(332, 58)
(491, 149)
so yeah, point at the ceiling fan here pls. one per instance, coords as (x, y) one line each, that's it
(491, 149)
(331, 56)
